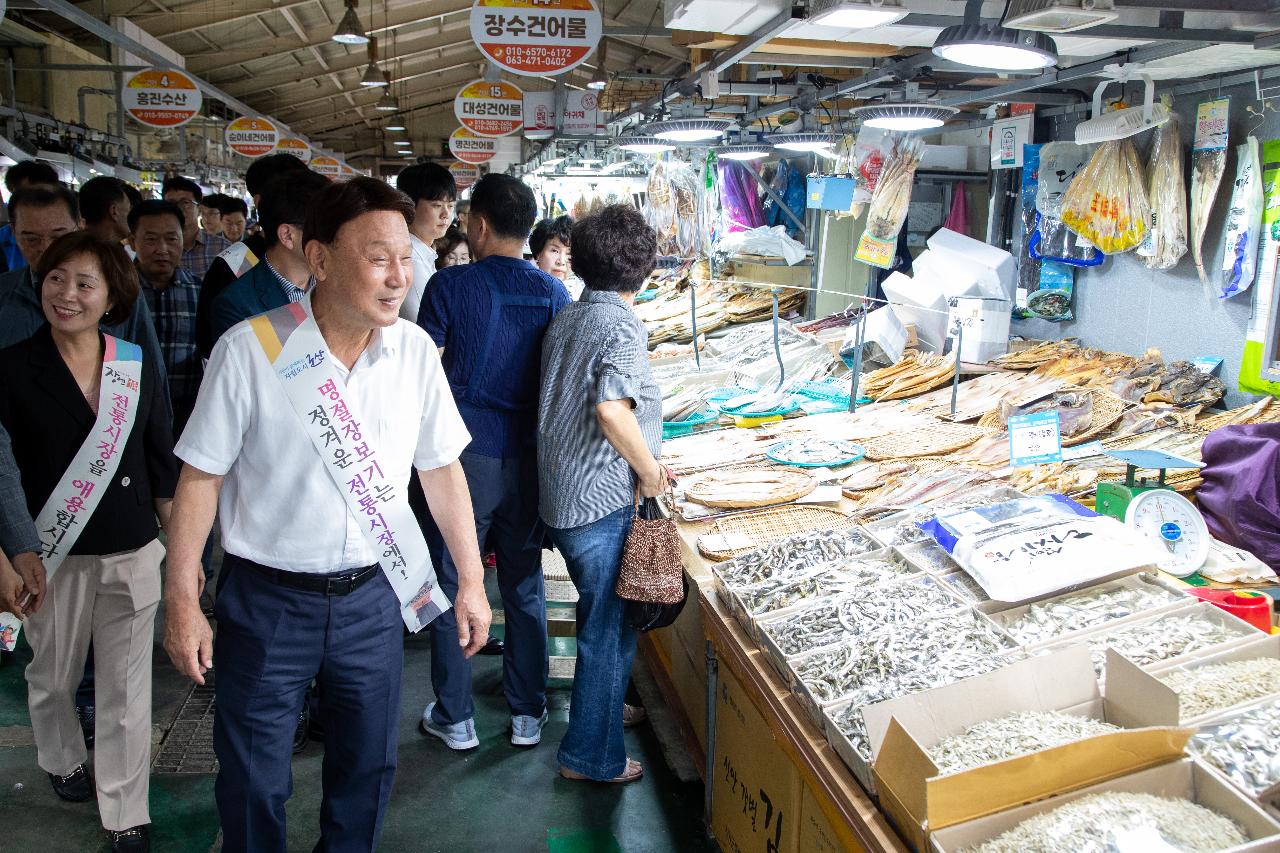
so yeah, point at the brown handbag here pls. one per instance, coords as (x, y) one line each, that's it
(652, 570)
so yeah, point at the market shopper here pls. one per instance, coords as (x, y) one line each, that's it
(19, 176)
(199, 247)
(489, 318)
(171, 293)
(66, 393)
(322, 569)
(235, 217)
(433, 192)
(549, 245)
(105, 206)
(454, 250)
(211, 213)
(599, 438)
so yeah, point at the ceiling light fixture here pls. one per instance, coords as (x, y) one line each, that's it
(995, 48)
(1059, 16)
(644, 144)
(689, 129)
(349, 30)
(743, 151)
(904, 116)
(387, 103)
(373, 75)
(401, 142)
(816, 143)
(394, 123)
(601, 78)
(856, 14)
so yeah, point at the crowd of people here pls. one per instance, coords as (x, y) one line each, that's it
(359, 389)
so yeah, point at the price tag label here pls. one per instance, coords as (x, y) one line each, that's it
(877, 253)
(1034, 439)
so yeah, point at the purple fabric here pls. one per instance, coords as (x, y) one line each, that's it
(738, 197)
(1240, 498)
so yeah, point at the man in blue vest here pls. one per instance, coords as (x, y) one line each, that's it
(489, 318)
(283, 276)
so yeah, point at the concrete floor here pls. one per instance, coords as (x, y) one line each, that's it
(495, 798)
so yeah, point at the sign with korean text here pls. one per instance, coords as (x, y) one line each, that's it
(252, 137)
(464, 174)
(295, 146)
(327, 166)
(1035, 439)
(539, 114)
(490, 109)
(1211, 125)
(159, 98)
(345, 172)
(536, 37)
(471, 148)
(580, 115)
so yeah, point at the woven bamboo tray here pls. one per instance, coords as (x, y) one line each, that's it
(716, 489)
(1107, 410)
(933, 440)
(769, 525)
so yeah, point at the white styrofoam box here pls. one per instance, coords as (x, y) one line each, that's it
(986, 327)
(920, 302)
(992, 266)
(720, 16)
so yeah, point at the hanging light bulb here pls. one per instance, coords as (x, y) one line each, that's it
(349, 30)
(601, 78)
(387, 103)
(373, 75)
(396, 122)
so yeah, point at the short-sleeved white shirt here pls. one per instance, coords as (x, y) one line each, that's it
(279, 506)
(424, 266)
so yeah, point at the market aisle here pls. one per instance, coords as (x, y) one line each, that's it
(495, 798)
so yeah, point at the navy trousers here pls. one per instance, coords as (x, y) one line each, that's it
(271, 642)
(504, 498)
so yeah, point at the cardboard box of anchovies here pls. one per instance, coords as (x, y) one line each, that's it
(922, 799)
(1254, 830)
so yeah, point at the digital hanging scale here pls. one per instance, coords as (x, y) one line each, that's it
(1156, 511)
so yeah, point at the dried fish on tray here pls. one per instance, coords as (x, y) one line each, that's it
(793, 556)
(914, 374)
(934, 440)
(1053, 618)
(737, 534)
(770, 596)
(744, 489)
(1182, 632)
(1218, 686)
(1245, 748)
(1011, 735)
(1039, 355)
(1098, 822)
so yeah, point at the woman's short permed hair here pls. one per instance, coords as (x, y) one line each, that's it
(120, 274)
(558, 228)
(614, 249)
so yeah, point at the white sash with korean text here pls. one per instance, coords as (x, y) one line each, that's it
(329, 417)
(86, 479)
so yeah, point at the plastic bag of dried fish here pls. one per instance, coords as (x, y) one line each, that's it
(1246, 747)
(1107, 202)
(1099, 822)
(1221, 685)
(1047, 620)
(1013, 734)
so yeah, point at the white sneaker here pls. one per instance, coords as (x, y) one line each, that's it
(457, 736)
(527, 731)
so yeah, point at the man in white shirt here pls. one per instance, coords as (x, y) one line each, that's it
(308, 589)
(433, 192)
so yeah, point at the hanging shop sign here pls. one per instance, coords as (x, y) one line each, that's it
(252, 137)
(580, 115)
(470, 148)
(160, 98)
(1008, 135)
(295, 146)
(327, 166)
(464, 174)
(536, 37)
(345, 172)
(490, 109)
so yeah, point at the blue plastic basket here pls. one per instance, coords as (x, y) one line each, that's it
(671, 429)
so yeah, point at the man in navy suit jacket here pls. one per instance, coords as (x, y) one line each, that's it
(283, 276)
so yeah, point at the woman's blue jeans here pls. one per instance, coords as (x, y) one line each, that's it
(593, 744)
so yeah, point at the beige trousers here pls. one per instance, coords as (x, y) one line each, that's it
(112, 599)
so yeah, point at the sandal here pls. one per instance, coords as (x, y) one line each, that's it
(632, 772)
(633, 715)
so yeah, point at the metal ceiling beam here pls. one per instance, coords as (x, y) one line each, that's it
(814, 61)
(113, 36)
(1105, 31)
(211, 13)
(377, 91)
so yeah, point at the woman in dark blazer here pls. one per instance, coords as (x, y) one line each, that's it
(107, 587)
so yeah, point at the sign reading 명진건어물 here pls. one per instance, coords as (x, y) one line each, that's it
(536, 38)
(472, 148)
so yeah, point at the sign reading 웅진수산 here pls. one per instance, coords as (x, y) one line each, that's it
(536, 37)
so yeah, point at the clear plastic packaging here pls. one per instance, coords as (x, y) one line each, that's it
(1244, 222)
(888, 209)
(1166, 242)
(1107, 202)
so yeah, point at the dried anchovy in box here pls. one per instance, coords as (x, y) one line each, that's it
(1221, 685)
(1055, 617)
(963, 583)
(1245, 747)
(1013, 734)
(1171, 636)
(794, 555)
(870, 609)
(811, 628)
(1118, 820)
(777, 593)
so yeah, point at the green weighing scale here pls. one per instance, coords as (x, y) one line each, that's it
(1157, 511)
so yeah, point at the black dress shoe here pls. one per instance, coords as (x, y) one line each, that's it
(87, 715)
(300, 733)
(495, 646)
(75, 787)
(134, 840)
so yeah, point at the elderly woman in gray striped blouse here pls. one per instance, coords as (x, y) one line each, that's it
(599, 438)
